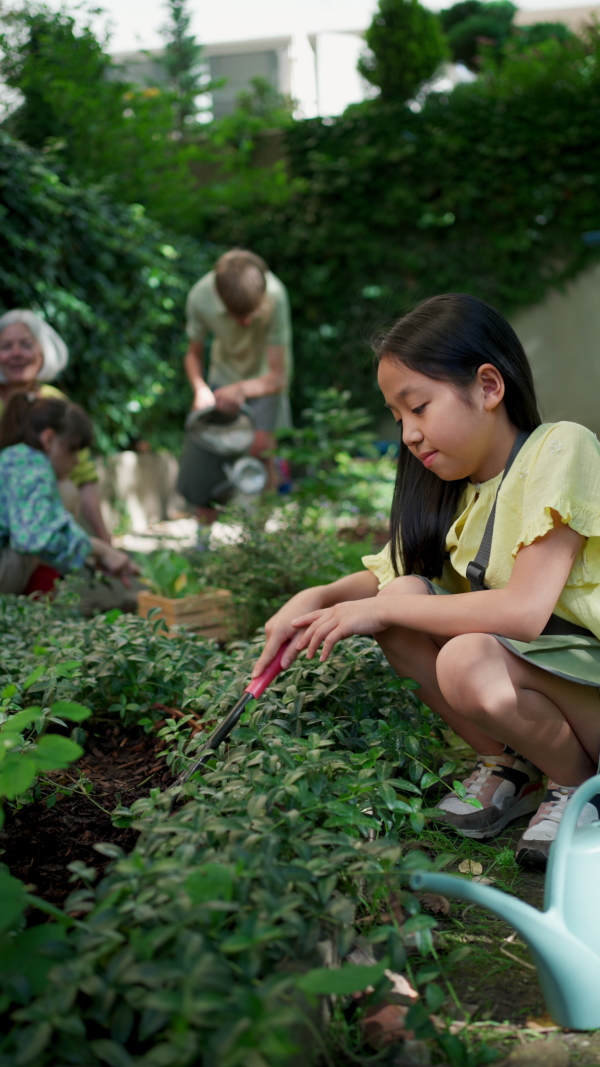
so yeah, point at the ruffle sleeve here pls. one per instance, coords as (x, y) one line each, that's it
(84, 470)
(562, 474)
(380, 564)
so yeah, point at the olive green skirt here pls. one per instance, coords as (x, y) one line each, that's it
(575, 657)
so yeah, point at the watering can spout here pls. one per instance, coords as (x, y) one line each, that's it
(530, 923)
(568, 970)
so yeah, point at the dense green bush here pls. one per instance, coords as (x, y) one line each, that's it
(114, 665)
(469, 23)
(277, 554)
(111, 282)
(406, 46)
(487, 190)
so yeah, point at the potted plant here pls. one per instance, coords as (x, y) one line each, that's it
(182, 599)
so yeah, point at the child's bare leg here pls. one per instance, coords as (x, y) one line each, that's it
(553, 722)
(413, 655)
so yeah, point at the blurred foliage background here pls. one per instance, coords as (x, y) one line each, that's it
(116, 197)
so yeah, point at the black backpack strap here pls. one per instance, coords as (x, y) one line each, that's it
(478, 566)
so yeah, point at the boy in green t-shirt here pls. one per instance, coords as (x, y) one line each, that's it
(246, 310)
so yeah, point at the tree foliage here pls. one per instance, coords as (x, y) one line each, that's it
(181, 58)
(110, 281)
(406, 46)
(104, 129)
(487, 190)
(479, 31)
(472, 26)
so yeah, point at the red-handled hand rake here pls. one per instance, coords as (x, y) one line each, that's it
(252, 692)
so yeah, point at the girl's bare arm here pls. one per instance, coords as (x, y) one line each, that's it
(520, 610)
(279, 628)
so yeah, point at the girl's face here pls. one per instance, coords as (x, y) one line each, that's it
(449, 431)
(62, 457)
(21, 357)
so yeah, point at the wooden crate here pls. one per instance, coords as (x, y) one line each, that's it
(205, 613)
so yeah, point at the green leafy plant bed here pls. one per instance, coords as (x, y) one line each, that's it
(266, 919)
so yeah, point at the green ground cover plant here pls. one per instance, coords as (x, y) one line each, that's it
(210, 939)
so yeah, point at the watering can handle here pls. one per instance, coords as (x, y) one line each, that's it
(583, 794)
(556, 879)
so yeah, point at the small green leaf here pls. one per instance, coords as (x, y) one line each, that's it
(435, 996)
(66, 709)
(417, 821)
(14, 900)
(212, 881)
(350, 978)
(35, 675)
(17, 773)
(428, 779)
(17, 722)
(53, 752)
(111, 1053)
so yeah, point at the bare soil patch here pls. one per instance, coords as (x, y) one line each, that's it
(38, 841)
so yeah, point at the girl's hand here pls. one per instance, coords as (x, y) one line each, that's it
(279, 628)
(330, 625)
(113, 561)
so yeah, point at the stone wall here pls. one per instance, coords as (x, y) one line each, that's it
(561, 337)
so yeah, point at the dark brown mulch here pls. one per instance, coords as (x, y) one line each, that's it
(39, 841)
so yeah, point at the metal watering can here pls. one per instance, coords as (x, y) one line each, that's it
(564, 938)
(214, 461)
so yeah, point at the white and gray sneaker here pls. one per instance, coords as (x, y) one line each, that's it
(534, 846)
(508, 786)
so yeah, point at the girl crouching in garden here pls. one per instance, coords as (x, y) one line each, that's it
(39, 443)
(501, 512)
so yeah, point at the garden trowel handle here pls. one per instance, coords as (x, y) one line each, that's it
(258, 685)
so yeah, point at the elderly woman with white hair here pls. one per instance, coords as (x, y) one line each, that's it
(31, 355)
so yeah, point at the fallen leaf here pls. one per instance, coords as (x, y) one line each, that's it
(383, 1024)
(401, 985)
(483, 880)
(543, 1023)
(470, 867)
(435, 903)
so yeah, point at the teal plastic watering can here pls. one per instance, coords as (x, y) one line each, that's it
(564, 938)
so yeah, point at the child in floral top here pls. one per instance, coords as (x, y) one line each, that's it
(39, 442)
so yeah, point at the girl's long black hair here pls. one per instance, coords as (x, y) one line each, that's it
(448, 338)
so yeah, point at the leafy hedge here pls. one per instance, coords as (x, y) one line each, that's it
(207, 944)
(486, 190)
(111, 282)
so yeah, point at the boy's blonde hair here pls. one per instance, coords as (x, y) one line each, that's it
(240, 278)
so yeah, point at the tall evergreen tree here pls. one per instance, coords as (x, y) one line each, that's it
(181, 59)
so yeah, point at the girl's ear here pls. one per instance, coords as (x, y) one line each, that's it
(46, 438)
(491, 383)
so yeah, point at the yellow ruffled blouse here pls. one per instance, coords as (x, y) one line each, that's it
(557, 469)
